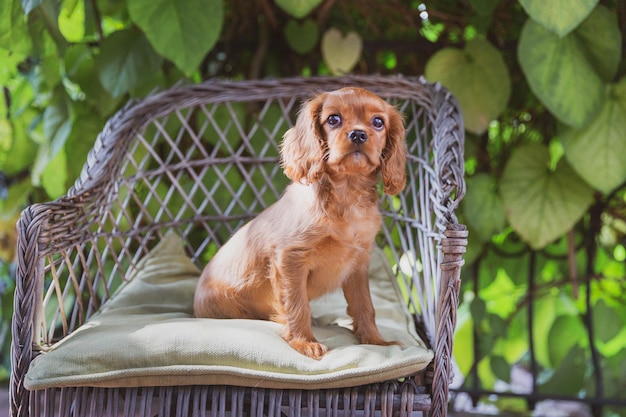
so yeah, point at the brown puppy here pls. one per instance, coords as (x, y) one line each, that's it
(319, 235)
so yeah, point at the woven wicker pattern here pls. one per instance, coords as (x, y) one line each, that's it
(202, 160)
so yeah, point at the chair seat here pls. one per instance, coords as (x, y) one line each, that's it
(146, 336)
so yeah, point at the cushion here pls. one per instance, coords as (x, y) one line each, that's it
(145, 335)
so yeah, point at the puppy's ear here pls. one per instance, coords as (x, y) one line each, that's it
(302, 148)
(394, 155)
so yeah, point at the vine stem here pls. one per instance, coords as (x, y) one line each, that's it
(571, 261)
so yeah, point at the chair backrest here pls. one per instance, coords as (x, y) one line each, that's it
(202, 160)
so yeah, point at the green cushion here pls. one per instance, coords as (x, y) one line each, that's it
(146, 336)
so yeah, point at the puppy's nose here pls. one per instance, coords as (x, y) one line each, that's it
(357, 136)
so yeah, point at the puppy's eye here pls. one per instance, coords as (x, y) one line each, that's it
(334, 120)
(378, 123)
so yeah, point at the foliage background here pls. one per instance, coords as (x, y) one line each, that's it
(543, 88)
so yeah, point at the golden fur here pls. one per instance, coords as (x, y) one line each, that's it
(319, 235)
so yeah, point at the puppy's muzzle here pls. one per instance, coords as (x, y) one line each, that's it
(357, 136)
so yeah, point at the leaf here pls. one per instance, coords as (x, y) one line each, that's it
(298, 8)
(501, 368)
(483, 207)
(57, 121)
(566, 332)
(72, 21)
(598, 151)
(463, 346)
(559, 16)
(15, 200)
(14, 34)
(568, 74)
(606, 322)
(478, 309)
(541, 204)
(54, 176)
(87, 125)
(81, 68)
(341, 53)
(182, 31)
(125, 58)
(600, 38)
(479, 79)
(484, 7)
(569, 378)
(302, 37)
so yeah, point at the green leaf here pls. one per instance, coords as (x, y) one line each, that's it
(22, 151)
(81, 68)
(541, 204)
(559, 16)
(341, 53)
(14, 34)
(566, 332)
(600, 39)
(484, 7)
(568, 74)
(57, 125)
(302, 37)
(182, 31)
(16, 199)
(478, 308)
(87, 125)
(72, 21)
(125, 58)
(464, 340)
(54, 176)
(569, 378)
(298, 8)
(598, 151)
(501, 368)
(57, 121)
(606, 322)
(483, 207)
(479, 79)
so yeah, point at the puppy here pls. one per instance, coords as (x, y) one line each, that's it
(319, 235)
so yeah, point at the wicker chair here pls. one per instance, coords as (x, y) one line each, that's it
(165, 163)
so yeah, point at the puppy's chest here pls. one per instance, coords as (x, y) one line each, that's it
(353, 232)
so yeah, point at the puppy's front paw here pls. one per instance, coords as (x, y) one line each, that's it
(313, 350)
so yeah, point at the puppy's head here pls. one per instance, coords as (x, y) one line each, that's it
(349, 131)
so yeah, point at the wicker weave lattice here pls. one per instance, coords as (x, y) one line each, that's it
(202, 160)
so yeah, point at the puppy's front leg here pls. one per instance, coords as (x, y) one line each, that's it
(357, 292)
(290, 285)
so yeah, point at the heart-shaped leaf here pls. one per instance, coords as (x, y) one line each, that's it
(600, 39)
(542, 204)
(479, 79)
(566, 332)
(341, 53)
(569, 377)
(568, 74)
(302, 37)
(182, 31)
(125, 58)
(598, 151)
(298, 8)
(483, 207)
(484, 7)
(559, 16)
